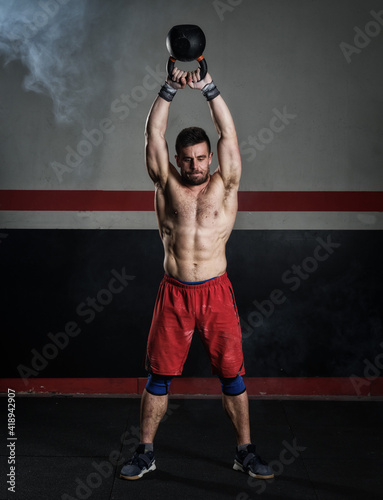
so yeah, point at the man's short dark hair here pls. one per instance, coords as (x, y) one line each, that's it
(191, 136)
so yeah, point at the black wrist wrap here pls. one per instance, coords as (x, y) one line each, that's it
(167, 92)
(210, 91)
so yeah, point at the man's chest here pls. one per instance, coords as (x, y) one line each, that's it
(189, 208)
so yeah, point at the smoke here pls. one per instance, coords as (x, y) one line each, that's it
(48, 37)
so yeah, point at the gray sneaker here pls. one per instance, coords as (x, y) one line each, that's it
(139, 464)
(249, 462)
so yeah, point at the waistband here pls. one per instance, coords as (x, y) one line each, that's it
(198, 285)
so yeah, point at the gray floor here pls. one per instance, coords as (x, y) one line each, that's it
(69, 448)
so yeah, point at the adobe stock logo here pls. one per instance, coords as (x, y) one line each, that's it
(372, 371)
(228, 6)
(278, 122)
(87, 310)
(292, 278)
(120, 109)
(85, 487)
(39, 20)
(288, 455)
(362, 38)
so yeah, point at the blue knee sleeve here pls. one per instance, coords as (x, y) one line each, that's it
(233, 386)
(158, 385)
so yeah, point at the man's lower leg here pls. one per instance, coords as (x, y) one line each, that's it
(246, 459)
(237, 408)
(153, 409)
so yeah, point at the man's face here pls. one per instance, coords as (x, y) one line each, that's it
(194, 162)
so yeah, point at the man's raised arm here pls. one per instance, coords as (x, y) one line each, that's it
(229, 157)
(156, 148)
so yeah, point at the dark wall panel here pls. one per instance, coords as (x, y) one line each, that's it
(78, 303)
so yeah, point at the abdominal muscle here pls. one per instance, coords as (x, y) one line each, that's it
(194, 255)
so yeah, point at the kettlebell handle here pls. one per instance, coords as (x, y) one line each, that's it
(202, 65)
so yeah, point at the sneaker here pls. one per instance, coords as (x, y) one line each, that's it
(249, 462)
(139, 464)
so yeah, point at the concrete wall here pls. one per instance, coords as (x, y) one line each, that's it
(263, 55)
(303, 79)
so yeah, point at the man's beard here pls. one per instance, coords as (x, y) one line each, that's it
(195, 181)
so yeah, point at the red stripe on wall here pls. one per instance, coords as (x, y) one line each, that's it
(123, 201)
(248, 201)
(269, 386)
(310, 201)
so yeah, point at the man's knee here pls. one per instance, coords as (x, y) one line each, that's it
(233, 386)
(158, 385)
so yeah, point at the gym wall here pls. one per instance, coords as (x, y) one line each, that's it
(80, 254)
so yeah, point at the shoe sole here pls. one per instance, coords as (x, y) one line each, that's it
(239, 467)
(139, 476)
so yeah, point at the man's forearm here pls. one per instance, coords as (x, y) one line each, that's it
(159, 113)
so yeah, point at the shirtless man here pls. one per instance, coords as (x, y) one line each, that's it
(196, 211)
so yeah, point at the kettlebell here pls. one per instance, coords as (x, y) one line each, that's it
(186, 42)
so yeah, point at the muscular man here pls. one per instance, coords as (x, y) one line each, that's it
(196, 211)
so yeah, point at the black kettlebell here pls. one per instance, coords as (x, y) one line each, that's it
(186, 42)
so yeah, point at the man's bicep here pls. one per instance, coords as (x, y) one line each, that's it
(157, 158)
(229, 158)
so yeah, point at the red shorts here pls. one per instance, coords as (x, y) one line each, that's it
(180, 309)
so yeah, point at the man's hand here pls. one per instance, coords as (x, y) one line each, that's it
(178, 79)
(193, 77)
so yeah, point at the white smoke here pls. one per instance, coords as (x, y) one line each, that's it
(48, 37)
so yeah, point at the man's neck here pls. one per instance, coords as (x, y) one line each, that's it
(197, 188)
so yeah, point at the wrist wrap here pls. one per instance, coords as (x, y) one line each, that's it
(167, 92)
(210, 91)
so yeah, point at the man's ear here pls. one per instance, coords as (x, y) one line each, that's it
(210, 157)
